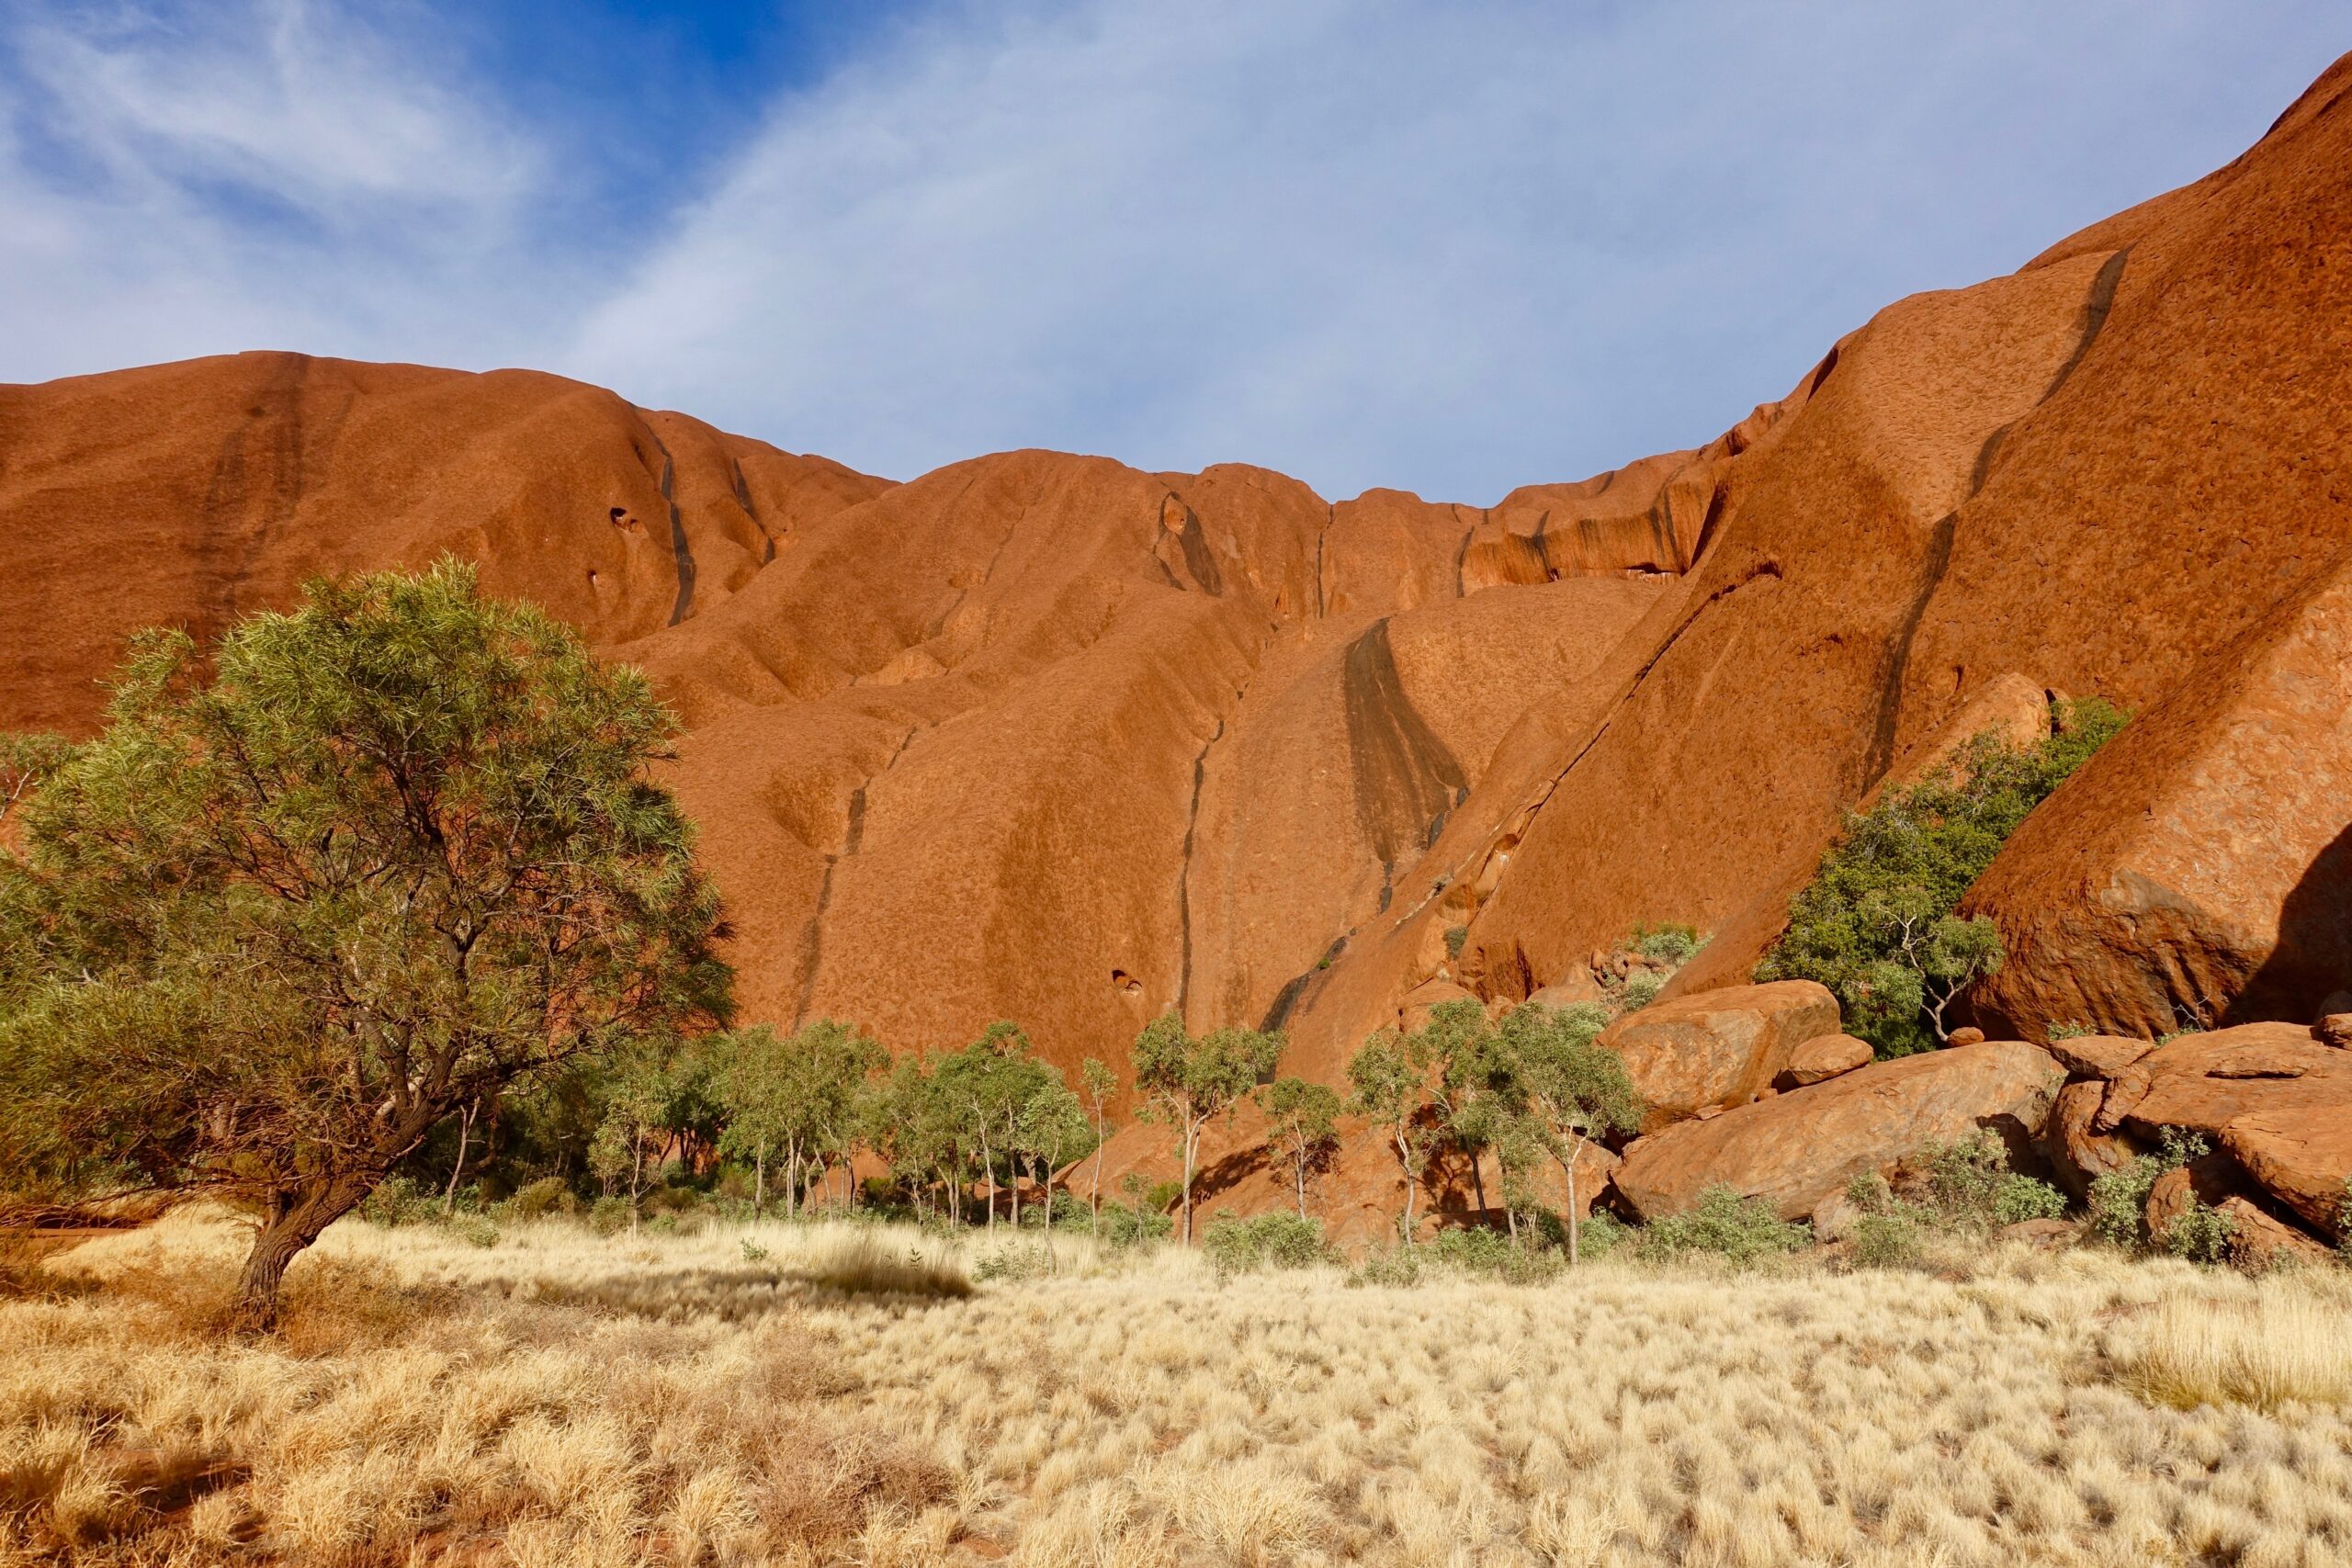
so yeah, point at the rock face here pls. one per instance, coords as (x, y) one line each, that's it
(1823, 1058)
(1798, 1148)
(1720, 1049)
(2079, 1156)
(2301, 1156)
(2204, 1082)
(2201, 866)
(2099, 1055)
(1048, 737)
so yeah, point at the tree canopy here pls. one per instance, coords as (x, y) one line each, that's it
(1877, 924)
(368, 861)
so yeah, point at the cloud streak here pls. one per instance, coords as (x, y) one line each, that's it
(1450, 248)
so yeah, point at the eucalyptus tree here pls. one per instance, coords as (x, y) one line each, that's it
(1302, 1127)
(1188, 1081)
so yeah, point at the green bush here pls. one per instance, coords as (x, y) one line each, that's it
(1397, 1267)
(1640, 990)
(547, 1195)
(473, 1228)
(2067, 1032)
(2022, 1198)
(1668, 943)
(1601, 1234)
(754, 1252)
(2118, 1200)
(2199, 1234)
(1741, 1230)
(1455, 937)
(1477, 1250)
(1969, 1186)
(1134, 1225)
(1886, 1241)
(2343, 1222)
(397, 1200)
(1265, 1241)
(1876, 925)
(1018, 1261)
(608, 1215)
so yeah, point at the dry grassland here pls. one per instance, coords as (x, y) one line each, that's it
(558, 1398)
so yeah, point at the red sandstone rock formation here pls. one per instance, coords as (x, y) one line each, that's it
(1798, 1148)
(1049, 737)
(1719, 1049)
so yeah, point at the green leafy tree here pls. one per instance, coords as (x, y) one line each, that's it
(1302, 1128)
(636, 1131)
(987, 1084)
(799, 1096)
(1390, 1091)
(1051, 1128)
(1187, 1081)
(1576, 1090)
(368, 862)
(1877, 923)
(1454, 1050)
(1100, 1084)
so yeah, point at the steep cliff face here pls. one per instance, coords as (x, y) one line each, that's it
(1047, 738)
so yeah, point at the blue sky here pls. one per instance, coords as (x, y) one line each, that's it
(1452, 248)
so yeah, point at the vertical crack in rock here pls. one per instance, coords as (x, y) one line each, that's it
(1184, 872)
(679, 549)
(751, 508)
(1330, 515)
(2097, 304)
(812, 940)
(1404, 775)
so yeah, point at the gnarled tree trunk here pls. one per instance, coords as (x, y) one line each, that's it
(293, 1221)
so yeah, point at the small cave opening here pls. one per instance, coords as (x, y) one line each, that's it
(1123, 981)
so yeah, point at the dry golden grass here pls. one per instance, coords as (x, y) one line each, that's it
(558, 1398)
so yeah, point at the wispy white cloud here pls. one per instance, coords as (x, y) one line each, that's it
(1452, 247)
(191, 179)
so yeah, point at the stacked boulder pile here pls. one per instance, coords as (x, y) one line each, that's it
(1754, 1087)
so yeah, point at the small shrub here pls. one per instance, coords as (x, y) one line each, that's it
(2178, 1034)
(1601, 1234)
(547, 1195)
(477, 1230)
(1640, 990)
(754, 1252)
(1016, 1262)
(1886, 1241)
(608, 1216)
(397, 1200)
(1879, 924)
(2343, 1222)
(1265, 1241)
(1742, 1231)
(1668, 943)
(2118, 1200)
(2017, 1199)
(1135, 1225)
(1455, 937)
(1477, 1250)
(2067, 1032)
(1969, 1186)
(2199, 1234)
(1397, 1267)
